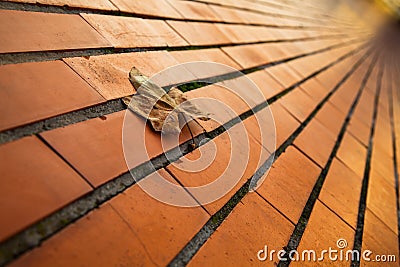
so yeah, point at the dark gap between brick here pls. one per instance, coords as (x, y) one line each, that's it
(394, 146)
(39, 56)
(35, 234)
(38, 7)
(194, 245)
(116, 105)
(300, 227)
(263, 12)
(358, 237)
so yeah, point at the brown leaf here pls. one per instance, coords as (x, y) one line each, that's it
(162, 109)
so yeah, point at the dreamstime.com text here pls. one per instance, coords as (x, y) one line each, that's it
(332, 254)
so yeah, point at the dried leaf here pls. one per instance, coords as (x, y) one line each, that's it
(162, 109)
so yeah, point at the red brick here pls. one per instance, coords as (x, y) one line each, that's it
(359, 130)
(101, 238)
(308, 46)
(271, 9)
(247, 33)
(253, 55)
(276, 21)
(381, 199)
(35, 182)
(137, 138)
(226, 103)
(19, 31)
(315, 89)
(298, 103)
(292, 49)
(330, 78)
(253, 17)
(262, 129)
(316, 141)
(341, 192)
(267, 85)
(229, 14)
(284, 34)
(36, 91)
(284, 75)
(285, 123)
(249, 17)
(339, 52)
(221, 102)
(194, 10)
(379, 239)
(95, 147)
(307, 65)
(252, 225)
(159, 8)
(289, 183)
(382, 163)
(372, 79)
(129, 32)
(383, 133)
(352, 153)
(207, 55)
(361, 119)
(323, 231)
(240, 33)
(245, 89)
(364, 109)
(163, 229)
(237, 157)
(199, 33)
(331, 118)
(344, 97)
(112, 81)
(96, 4)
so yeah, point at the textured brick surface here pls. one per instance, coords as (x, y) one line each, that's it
(324, 229)
(199, 33)
(246, 231)
(100, 226)
(341, 192)
(134, 32)
(253, 55)
(94, 147)
(374, 230)
(163, 229)
(289, 183)
(193, 10)
(37, 98)
(96, 4)
(316, 141)
(223, 172)
(112, 81)
(46, 32)
(302, 149)
(35, 183)
(159, 8)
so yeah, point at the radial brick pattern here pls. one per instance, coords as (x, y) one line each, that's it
(327, 71)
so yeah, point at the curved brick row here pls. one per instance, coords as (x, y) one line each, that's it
(330, 78)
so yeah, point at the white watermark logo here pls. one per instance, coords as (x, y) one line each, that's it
(340, 253)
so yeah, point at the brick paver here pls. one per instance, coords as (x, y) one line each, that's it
(57, 32)
(29, 97)
(308, 152)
